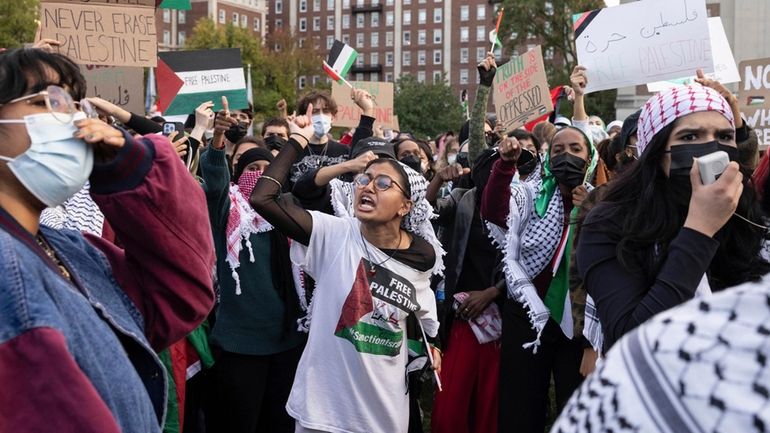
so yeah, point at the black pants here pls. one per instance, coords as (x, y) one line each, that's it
(250, 392)
(525, 378)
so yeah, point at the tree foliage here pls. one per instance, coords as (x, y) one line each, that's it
(426, 109)
(17, 22)
(273, 71)
(549, 23)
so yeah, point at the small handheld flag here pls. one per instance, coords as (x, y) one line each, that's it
(339, 62)
(464, 102)
(493, 38)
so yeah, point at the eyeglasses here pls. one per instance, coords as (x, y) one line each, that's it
(382, 182)
(57, 100)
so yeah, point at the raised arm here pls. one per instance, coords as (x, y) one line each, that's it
(495, 200)
(292, 220)
(477, 140)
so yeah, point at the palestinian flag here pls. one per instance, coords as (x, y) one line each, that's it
(339, 61)
(186, 79)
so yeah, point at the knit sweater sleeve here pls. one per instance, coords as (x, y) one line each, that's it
(496, 198)
(216, 183)
(158, 213)
(476, 140)
(36, 397)
(625, 299)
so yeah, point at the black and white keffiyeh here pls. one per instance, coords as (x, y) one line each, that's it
(699, 367)
(417, 221)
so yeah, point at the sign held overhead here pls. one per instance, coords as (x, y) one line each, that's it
(520, 90)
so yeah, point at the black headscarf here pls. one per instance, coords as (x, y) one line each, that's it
(249, 156)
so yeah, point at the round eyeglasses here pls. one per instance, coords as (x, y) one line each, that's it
(57, 100)
(382, 182)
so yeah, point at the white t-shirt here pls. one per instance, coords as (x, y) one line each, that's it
(351, 378)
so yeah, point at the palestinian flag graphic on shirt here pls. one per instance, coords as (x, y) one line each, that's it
(372, 313)
(186, 79)
(339, 61)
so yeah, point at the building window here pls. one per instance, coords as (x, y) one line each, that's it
(316, 5)
(437, 77)
(346, 21)
(302, 24)
(463, 34)
(329, 5)
(360, 61)
(407, 2)
(389, 77)
(407, 18)
(360, 21)
(463, 76)
(481, 54)
(345, 4)
(256, 24)
(375, 40)
(464, 12)
(420, 76)
(480, 33)
(421, 37)
(301, 82)
(346, 39)
(316, 23)
(166, 37)
(375, 77)
(407, 58)
(481, 12)
(375, 19)
(389, 18)
(316, 79)
(329, 42)
(374, 58)
(422, 16)
(301, 42)
(438, 14)
(388, 39)
(437, 36)
(279, 23)
(330, 23)
(244, 21)
(436, 57)
(235, 18)
(166, 15)
(181, 38)
(181, 17)
(388, 59)
(421, 58)
(303, 5)
(407, 38)
(360, 76)
(463, 55)
(360, 3)
(388, 2)
(278, 6)
(221, 16)
(360, 40)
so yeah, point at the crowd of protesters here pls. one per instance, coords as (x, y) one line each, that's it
(576, 275)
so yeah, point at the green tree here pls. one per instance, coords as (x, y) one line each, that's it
(550, 24)
(426, 109)
(17, 22)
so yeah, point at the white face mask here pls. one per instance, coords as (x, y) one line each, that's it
(56, 165)
(322, 124)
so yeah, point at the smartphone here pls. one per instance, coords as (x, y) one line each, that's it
(712, 166)
(170, 127)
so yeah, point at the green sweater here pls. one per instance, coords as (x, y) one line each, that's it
(250, 323)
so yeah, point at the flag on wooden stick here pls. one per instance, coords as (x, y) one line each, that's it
(339, 62)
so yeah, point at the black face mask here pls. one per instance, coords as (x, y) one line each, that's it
(527, 163)
(412, 162)
(491, 138)
(275, 142)
(682, 155)
(679, 183)
(236, 132)
(462, 159)
(568, 169)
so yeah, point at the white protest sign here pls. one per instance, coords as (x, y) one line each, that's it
(725, 69)
(754, 97)
(641, 42)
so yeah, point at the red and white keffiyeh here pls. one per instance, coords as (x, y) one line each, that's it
(242, 222)
(667, 106)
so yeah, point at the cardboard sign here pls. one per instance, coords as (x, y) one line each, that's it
(149, 3)
(102, 34)
(642, 42)
(520, 90)
(348, 113)
(754, 97)
(123, 86)
(725, 69)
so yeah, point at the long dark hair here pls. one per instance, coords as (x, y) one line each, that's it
(639, 212)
